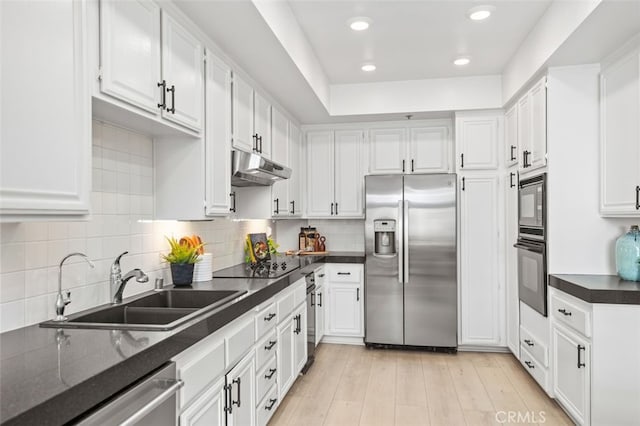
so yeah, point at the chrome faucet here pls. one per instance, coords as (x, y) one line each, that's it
(117, 282)
(63, 300)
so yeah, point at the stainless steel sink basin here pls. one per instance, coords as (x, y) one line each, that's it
(163, 310)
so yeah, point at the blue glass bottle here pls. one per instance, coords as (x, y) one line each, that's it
(628, 255)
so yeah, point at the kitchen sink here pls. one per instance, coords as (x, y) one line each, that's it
(162, 310)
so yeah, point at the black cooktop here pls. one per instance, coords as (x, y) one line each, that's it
(273, 268)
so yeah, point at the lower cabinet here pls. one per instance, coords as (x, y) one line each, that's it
(241, 392)
(292, 348)
(571, 383)
(320, 316)
(209, 409)
(344, 290)
(300, 339)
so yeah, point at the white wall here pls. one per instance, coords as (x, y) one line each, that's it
(121, 213)
(580, 241)
(342, 235)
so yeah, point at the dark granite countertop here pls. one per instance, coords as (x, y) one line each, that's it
(598, 288)
(50, 377)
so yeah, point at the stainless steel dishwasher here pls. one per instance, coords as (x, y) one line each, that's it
(311, 320)
(151, 402)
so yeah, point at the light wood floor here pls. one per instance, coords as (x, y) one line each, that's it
(352, 385)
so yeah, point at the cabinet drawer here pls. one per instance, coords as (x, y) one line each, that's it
(533, 367)
(534, 346)
(571, 313)
(239, 340)
(266, 319)
(285, 305)
(266, 407)
(346, 273)
(200, 370)
(266, 378)
(266, 348)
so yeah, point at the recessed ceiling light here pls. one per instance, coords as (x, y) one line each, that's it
(479, 13)
(368, 67)
(461, 61)
(360, 23)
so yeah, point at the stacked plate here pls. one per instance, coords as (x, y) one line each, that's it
(203, 269)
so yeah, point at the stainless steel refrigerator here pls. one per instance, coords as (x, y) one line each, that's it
(411, 260)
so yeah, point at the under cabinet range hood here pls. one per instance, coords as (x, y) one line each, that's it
(248, 169)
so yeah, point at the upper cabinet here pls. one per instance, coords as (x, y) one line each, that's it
(45, 166)
(251, 119)
(478, 136)
(511, 136)
(620, 133)
(285, 149)
(161, 72)
(335, 177)
(532, 127)
(424, 147)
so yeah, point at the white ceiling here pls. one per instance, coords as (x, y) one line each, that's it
(412, 40)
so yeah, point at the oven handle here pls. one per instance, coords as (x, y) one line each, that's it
(531, 248)
(168, 393)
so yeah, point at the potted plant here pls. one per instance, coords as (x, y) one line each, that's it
(181, 259)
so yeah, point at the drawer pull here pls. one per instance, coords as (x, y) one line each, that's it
(270, 317)
(272, 402)
(272, 371)
(580, 363)
(528, 342)
(271, 344)
(564, 312)
(344, 273)
(530, 364)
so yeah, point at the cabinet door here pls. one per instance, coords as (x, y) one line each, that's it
(45, 165)
(481, 299)
(295, 162)
(280, 154)
(524, 133)
(242, 104)
(208, 410)
(349, 178)
(571, 373)
(285, 356)
(130, 70)
(218, 137)
(182, 69)
(429, 150)
(511, 136)
(320, 321)
(262, 124)
(477, 141)
(538, 96)
(619, 137)
(387, 151)
(320, 166)
(511, 259)
(241, 386)
(300, 339)
(344, 316)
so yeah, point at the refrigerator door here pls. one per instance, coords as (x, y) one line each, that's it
(430, 290)
(383, 277)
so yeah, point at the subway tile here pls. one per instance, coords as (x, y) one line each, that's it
(96, 132)
(58, 230)
(77, 245)
(12, 233)
(37, 309)
(114, 138)
(36, 255)
(95, 227)
(12, 315)
(122, 203)
(12, 286)
(77, 229)
(123, 183)
(94, 248)
(109, 160)
(135, 184)
(36, 231)
(36, 282)
(96, 204)
(96, 180)
(146, 185)
(109, 203)
(113, 246)
(109, 181)
(122, 162)
(11, 257)
(56, 250)
(96, 157)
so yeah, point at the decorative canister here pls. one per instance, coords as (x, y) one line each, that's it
(628, 255)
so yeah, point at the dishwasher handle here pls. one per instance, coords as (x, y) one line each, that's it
(154, 403)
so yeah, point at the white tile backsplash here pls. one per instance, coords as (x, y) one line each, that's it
(341, 235)
(121, 211)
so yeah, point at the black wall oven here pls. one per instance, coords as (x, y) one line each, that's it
(531, 245)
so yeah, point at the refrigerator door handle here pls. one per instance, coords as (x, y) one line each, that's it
(400, 240)
(405, 238)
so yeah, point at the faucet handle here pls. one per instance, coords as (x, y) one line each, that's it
(66, 299)
(115, 267)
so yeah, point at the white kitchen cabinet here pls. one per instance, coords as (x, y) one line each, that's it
(532, 127)
(280, 154)
(300, 338)
(45, 166)
(217, 137)
(511, 262)
(320, 279)
(297, 170)
(251, 119)
(481, 294)
(478, 136)
(240, 382)
(150, 61)
(572, 365)
(285, 356)
(620, 133)
(208, 409)
(511, 136)
(182, 69)
(424, 147)
(335, 177)
(131, 71)
(344, 289)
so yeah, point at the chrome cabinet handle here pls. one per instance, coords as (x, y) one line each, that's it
(565, 312)
(272, 402)
(580, 363)
(270, 316)
(271, 344)
(528, 342)
(530, 364)
(172, 110)
(272, 371)
(163, 95)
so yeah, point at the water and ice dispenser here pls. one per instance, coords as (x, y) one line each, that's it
(385, 236)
